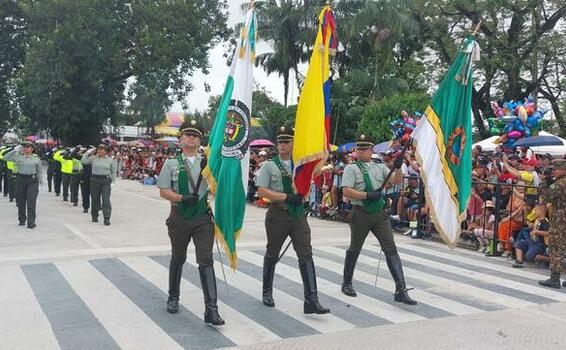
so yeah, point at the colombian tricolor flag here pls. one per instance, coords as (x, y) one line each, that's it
(312, 124)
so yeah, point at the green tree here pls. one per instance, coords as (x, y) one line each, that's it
(377, 116)
(287, 27)
(522, 48)
(81, 55)
(12, 55)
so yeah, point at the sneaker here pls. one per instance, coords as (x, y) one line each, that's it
(518, 264)
(481, 249)
(408, 232)
(506, 254)
(499, 247)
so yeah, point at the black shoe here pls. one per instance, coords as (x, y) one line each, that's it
(32, 226)
(85, 210)
(175, 274)
(349, 266)
(22, 223)
(106, 221)
(75, 204)
(268, 273)
(65, 200)
(396, 269)
(552, 282)
(172, 305)
(94, 219)
(208, 283)
(564, 284)
(11, 200)
(518, 264)
(311, 304)
(57, 194)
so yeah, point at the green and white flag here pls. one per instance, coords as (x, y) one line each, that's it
(444, 145)
(228, 145)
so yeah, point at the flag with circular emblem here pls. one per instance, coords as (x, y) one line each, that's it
(443, 139)
(228, 147)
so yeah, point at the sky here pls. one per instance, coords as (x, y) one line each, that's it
(198, 98)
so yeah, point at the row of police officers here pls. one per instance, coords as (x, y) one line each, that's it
(68, 170)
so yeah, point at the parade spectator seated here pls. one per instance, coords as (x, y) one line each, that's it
(483, 226)
(533, 241)
(512, 222)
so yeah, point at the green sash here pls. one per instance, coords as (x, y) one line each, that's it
(295, 211)
(370, 206)
(189, 212)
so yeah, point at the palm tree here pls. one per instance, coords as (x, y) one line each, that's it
(289, 27)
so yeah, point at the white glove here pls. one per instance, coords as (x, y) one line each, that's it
(18, 148)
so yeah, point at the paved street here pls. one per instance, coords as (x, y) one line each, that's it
(73, 284)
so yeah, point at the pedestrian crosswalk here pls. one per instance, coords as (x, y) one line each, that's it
(119, 302)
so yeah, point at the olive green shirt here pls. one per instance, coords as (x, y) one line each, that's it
(26, 165)
(169, 176)
(352, 177)
(101, 166)
(270, 175)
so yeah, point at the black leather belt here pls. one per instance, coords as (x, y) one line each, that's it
(101, 176)
(27, 176)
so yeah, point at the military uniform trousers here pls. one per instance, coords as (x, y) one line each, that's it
(100, 188)
(66, 180)
(27, 189)
(11, 184)
(85, 193)
(50, 175)
(57, 180)
(279, 225)
(362, 223)
(181, 231)
(74, 184)
(557, 240)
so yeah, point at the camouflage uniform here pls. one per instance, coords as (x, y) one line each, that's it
(555, 195)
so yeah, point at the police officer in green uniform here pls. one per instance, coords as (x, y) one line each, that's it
(66, 171)
(4, 170)
(12, 170)
(361, 182)
(181, 183)
(286, 217)
(29, 170)
(103, 175)
(75, 178)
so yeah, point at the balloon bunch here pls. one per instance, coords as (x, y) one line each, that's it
(404, 126)
(515, 120)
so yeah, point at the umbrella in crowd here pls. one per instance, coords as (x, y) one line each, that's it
(535, 141)
(347, 147)
(168, 139)
(136, 143)
(261, 143)
(381, 147)
(46, 142)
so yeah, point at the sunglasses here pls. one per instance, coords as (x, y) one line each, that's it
(283, 142)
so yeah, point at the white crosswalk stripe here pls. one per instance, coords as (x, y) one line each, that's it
(364, 302)
(246, 332)
(121, 318)
(459, 287)
(291, 305)
(126, 315)
(19, 310)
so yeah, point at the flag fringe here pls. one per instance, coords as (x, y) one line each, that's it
(232, 256)
(207, 174)
(433, 215)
